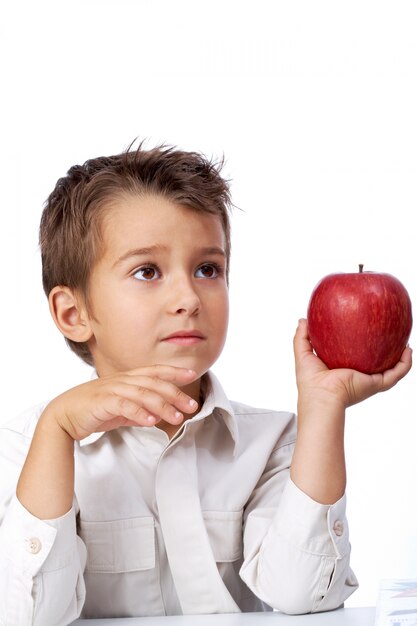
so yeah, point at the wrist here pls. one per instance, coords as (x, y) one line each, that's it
(323, 404)
(321, 425)
(52, 424)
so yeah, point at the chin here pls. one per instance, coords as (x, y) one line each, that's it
(192, 364)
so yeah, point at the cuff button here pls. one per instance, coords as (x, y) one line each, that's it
(34, 545)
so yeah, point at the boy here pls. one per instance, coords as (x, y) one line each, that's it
(146, 491)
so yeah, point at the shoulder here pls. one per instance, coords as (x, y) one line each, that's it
(251, 426)
(15, 439)
(25, 423)
(279, 426)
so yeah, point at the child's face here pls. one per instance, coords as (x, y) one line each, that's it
(162, 273)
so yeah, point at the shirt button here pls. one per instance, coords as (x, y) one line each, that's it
(338, 528)
(34, 545)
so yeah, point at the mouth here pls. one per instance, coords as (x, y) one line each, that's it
(185, 337)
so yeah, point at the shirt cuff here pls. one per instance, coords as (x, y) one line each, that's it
(27, 541)
(316, 528)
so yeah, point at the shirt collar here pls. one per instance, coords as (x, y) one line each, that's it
(216, 402)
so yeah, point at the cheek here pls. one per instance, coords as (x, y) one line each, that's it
(220, 312)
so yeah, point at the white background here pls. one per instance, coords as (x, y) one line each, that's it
(314, 105)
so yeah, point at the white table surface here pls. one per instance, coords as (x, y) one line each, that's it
(341, 617)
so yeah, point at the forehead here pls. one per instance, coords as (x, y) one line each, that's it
(132, 220)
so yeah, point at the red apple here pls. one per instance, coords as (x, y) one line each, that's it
(361, 321)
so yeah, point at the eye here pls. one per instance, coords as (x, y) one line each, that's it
(208, 270)
(147, 273)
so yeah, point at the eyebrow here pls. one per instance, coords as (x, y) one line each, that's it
(213, 250)
(134, 252)
(139, 252)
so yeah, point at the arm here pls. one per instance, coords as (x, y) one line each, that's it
(41, 557)
(139, 398)
(46, 484)
(296, 534)
(34, 554)
(318, 465)
(296, 550)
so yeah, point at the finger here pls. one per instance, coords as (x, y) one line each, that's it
(122, 411)
(301, 343)
(169, 392)
(155, 398)
(119, 421)
(401, 369)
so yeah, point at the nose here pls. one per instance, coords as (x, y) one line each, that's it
(184, 298)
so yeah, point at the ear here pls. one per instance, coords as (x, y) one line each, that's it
(69, 314)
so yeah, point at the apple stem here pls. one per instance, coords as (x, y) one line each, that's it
(360, 268)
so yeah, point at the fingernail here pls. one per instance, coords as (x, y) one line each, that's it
(193, 403)
(178, 415)
(151, 419)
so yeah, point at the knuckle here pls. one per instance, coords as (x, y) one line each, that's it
(166, 406)
(131, 410)
(125, 406)
(142, 391)
(180, 395)
(140, 414)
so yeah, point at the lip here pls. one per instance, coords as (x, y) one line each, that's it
(185, 337)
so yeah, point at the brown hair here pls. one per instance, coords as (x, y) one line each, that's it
(70, 228)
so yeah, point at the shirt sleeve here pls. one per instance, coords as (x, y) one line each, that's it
(296, 551)
(41, 561)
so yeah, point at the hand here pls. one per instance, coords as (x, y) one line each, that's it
(344, 387)
(141, 397)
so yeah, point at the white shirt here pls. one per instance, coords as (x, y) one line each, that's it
(208, 522)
